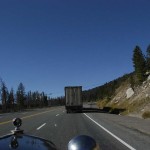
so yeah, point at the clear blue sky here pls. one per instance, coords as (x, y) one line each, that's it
(49, 44)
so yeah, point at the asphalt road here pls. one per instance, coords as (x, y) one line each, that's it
(112, 132)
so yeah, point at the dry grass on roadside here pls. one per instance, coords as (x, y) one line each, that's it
(128, 105)
(134, 106)
(102, 103)
(146, 114)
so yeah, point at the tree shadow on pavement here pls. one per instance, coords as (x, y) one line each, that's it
(108, 110)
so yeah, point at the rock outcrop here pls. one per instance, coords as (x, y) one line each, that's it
(129, 93)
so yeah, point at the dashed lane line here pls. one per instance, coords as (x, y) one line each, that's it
(41, 126)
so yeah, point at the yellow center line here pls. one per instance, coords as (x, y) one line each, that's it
(36, 114)
(5, 122)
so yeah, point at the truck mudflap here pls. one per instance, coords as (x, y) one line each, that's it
(73, 109)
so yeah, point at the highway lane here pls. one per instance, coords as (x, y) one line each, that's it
(59, 127)
(30, 118)
(134, 132)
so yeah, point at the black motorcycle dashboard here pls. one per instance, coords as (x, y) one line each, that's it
(25, 142)
(20, 141)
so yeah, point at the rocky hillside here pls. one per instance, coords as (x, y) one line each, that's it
(135, 101)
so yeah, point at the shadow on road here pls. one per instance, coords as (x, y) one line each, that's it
(109, 110)
(92, 110)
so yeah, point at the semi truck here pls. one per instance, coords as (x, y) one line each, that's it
(73, 97)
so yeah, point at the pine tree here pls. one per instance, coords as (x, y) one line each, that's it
(11, 99)
(4, 96)
(139, 64)
(29, 99)
(148, 58)
(20, 96)
(132, 82)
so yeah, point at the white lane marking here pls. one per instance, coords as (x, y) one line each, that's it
(41, 126)
(57, 115)
(55, 125)
(120, 140)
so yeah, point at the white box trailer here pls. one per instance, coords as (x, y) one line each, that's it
(73, 97)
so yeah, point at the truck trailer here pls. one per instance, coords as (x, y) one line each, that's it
(73, 97)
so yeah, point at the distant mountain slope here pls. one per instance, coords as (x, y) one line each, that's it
(105, 91)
